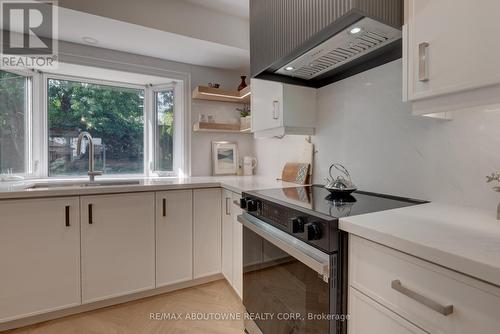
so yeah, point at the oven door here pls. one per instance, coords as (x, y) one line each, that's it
(286, 282)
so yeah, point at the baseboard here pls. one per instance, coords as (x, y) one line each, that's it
(31, 320)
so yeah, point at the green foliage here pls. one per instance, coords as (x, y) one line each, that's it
(12, 121)
(165, 131)
(112, 114)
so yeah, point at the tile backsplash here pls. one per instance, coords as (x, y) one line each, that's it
(363, 124)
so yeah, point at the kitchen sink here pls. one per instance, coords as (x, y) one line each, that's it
(82, 184)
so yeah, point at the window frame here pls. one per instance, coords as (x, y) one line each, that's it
(37, 131)
(178, 130)
(45, 131)
(28, 119)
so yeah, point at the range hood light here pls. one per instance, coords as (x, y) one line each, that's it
(355, 30)
(289, 68)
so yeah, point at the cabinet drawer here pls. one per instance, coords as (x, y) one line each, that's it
(376, 271)
(369, 317)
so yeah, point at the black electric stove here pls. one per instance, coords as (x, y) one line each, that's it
(311, 213)
(295, 257)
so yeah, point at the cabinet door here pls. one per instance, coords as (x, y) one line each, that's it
(227, 236)
(368, 317)
(207, 232)
(174, 236)
(237, 246)
(461, 53)
(39, 256)
(118, 238)
(267, 105)
(299, 106)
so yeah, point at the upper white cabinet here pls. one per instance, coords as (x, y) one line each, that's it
(207, 232)
(450, 48)
(174, 236)
(118, 245)
(279, 109)
(39, 256)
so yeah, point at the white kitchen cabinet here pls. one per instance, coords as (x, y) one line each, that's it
(279, 109)
(118, 245)
(227, 235)
(207, 232)
(232, 241)
(369, 317)
(433, 298)
(174, 237)
(237, 246)
(39, 256)
(448, 49)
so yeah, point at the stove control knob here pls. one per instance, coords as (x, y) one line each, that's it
(298, 224)
(314, 231)
(243, 202)
(252, 205)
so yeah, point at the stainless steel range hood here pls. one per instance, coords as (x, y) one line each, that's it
(366, 36)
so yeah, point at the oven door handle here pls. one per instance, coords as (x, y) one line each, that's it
(307, 254)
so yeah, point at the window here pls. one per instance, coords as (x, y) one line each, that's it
(14, 122)
(113, 115)
(164, 130)
(138, 128)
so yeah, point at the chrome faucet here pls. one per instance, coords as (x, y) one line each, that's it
(91, 173)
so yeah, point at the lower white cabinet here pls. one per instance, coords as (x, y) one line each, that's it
(237, 246)
(227, 235)
(174, 236)
(401, 287)
(369, 317)
(232, 241)
(207, 232)
(118, 238)
(39, 256)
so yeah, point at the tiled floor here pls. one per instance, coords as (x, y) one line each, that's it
(210, 299)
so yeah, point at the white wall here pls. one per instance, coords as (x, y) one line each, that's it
(199, 75)
(363, 124)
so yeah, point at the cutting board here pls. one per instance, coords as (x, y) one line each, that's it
(306, 154)
(295, 172)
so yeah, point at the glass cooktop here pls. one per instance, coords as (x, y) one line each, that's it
(316, 198)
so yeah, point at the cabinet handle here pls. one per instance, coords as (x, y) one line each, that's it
(164, 207)
(423, 62)
(90, 215)
(67, 216)
(444, 310)
(276, 110)
(228, 206)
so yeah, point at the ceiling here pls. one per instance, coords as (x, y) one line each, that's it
(74, 26)
(232, 7)
(188, 31)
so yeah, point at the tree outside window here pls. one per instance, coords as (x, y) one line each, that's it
(114, 116)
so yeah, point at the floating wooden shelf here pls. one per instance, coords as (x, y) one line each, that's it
(218, 127)
(221, 95)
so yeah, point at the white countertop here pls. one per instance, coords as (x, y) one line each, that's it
(462, 239)
(21, 189)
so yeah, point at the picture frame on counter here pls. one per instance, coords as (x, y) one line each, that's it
(224, 158)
